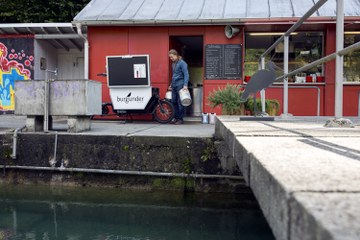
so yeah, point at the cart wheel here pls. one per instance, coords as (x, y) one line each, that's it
(164, 113)
(106, 108)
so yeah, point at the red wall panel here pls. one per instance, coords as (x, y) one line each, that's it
(216, 35)
(330, 47)
(351, 100)
(302, 102)
(105, 41)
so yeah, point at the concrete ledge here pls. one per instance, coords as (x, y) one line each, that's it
(294, 166)
(342, 222)
(128, 153)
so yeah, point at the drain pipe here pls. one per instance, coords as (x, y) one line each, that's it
(15, 137)
(86, 50)
(47, 97)
(53, 160)
(125, 172)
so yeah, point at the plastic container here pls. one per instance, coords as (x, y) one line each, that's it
(168, 95)
(320, 79)
(212, 118)
(309, 79)
(185, 97)
(205, 118)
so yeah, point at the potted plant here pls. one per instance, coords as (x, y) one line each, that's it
(229, 98)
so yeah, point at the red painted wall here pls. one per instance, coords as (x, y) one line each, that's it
(302, 102)
(215, 35)
(351, 100)
(155, 41)
(330, 47)
(105, 41)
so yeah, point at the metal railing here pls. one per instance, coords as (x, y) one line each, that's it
(338, 55)
(285, 38)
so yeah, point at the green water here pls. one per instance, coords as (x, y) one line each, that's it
(43, 212)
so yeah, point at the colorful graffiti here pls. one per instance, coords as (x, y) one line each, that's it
(14, 65)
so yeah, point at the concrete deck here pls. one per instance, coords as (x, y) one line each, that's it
(191, 127)
(306, 177)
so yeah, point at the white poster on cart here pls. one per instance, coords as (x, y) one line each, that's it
(139, 71)
(130, 98)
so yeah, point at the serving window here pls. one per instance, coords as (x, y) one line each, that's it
(352, 60)
(304, 47)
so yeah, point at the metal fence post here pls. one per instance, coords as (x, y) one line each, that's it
(339, 58)
(262, 92)
(286, 71)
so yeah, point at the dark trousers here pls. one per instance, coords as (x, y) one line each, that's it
(175, 100)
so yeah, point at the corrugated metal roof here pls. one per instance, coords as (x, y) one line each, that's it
(59, 35)
(196, 11)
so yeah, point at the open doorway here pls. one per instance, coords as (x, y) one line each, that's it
(191, 48)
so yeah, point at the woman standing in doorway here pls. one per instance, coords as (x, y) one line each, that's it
(180, 80)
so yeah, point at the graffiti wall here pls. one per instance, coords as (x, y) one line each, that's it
(16, 63)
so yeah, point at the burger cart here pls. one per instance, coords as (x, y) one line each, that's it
(128, 79)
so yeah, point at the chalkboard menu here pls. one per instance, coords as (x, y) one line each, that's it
(223, 61)
(128, 70)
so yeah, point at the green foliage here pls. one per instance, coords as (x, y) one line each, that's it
(126, 148)
(169, 183)
(208, 152)
(7, 153)
(228, 97)
(187, 166)
(27, 11)
(272, 106)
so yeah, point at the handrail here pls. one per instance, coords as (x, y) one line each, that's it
(322, 60)
(285, 38)
(318, 95)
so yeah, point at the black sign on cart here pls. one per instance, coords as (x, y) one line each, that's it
(223, 61)
(132, 70)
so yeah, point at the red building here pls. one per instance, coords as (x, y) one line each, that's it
(193, 27)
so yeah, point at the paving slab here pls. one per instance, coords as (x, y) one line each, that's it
(281, 159)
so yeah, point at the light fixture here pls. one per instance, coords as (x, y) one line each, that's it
(352, 33)
(270, 33)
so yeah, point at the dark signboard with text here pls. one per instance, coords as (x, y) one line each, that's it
(223, 61)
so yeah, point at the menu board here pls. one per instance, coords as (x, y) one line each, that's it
(128, 70)
(223, 61)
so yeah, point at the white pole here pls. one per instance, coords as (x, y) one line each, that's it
(46, 102)
(86, 50)
(262, 92)
(286, 71)
(339, 58)
(86, 59)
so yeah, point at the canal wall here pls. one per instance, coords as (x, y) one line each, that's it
(194, 163)
(304, 176)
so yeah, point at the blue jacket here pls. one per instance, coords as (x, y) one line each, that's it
(180, 74)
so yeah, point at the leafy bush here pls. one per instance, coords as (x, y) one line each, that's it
(229, 98)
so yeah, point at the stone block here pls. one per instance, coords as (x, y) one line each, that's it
(67, 97)
(78, 124)
(325, 216)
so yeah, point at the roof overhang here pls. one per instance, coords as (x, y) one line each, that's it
(59, 35)
(197, 22)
